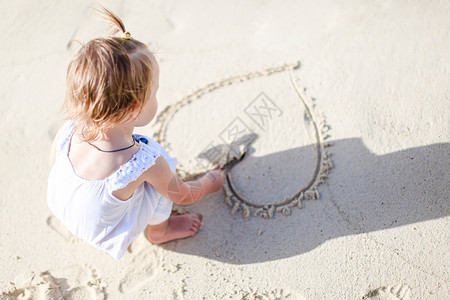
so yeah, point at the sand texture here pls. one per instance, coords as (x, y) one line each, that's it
(341, 107)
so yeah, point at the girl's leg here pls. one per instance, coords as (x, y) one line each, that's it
(176, 227)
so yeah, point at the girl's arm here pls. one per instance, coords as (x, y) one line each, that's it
(172, 187)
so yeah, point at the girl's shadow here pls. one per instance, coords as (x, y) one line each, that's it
(364, 193)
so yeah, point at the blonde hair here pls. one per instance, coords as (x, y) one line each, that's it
(106, 79)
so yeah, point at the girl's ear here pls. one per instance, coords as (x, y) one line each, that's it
(135, 110)
(135, 107)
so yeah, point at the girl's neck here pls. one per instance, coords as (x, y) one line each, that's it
(119, 132)
(115, 138)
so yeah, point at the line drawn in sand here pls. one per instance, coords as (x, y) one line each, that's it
(278, 294)
(235, 200)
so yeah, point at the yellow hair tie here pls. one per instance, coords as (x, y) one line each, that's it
(126, 35)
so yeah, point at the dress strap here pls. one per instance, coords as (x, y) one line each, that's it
(65, 136)
(132, 169)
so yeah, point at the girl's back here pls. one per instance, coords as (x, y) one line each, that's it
(92, 164)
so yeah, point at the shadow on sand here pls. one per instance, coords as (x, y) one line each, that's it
(364, 193)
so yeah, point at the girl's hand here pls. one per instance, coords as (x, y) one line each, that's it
(169, 185)
(217, 178)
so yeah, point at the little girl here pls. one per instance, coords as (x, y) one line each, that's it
(107, 185)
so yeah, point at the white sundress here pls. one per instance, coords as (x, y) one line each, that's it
(90, 211)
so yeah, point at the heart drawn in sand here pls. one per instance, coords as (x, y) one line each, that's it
(264, 117)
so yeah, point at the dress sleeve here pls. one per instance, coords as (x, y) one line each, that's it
(132, 169)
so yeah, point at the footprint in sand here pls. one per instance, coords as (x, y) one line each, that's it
(389, 293)
(73, 282)
(60, 229)
(146, 263)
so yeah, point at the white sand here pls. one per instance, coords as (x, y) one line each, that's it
(379, 73)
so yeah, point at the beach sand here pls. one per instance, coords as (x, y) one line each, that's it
(344, 191)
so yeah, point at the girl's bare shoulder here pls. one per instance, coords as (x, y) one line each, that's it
(91, 164)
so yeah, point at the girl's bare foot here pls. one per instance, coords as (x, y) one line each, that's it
(176, 227)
